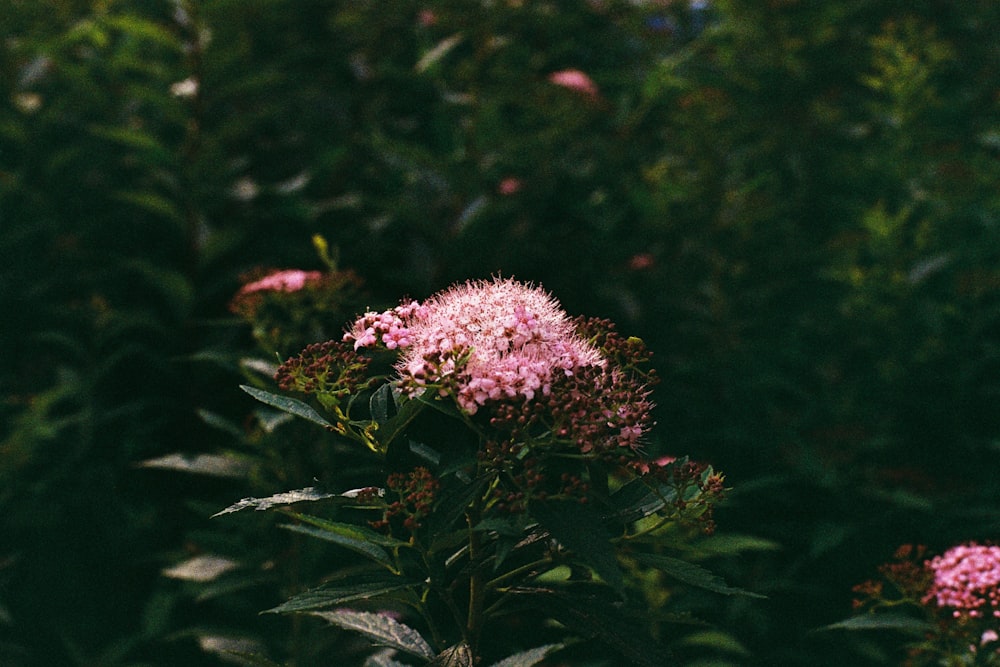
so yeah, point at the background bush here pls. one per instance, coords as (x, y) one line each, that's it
(793, 203)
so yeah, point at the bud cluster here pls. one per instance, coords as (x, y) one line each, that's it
(332, 368)
(416, 492)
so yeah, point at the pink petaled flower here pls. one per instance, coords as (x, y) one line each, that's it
(967, 579)
(291, 280)
(484, 341)
(509, 186)
(574, 79)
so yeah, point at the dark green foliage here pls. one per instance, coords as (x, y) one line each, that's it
(796, 208)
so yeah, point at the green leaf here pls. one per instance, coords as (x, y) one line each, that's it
(691, 574)
(396, 425)
(716, 640)
(381, 629)
(639, 499)
(428, 454)
(359, 539)
(287, 404)
(579, 529)
(216, 465)
(350, 530)
(216, 420)
(326, 597)
(528, 658)
(733, 543)
(453, 503)
(375, 552)
(308, 494)
(382, 403)
(598, 616)
(439, 51)
(508, 527)
(152, 202)
(882, 622)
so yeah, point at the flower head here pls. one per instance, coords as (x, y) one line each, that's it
(289, 280)
(484, 341)
(967, 580)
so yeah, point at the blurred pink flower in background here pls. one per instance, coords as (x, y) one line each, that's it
(289, 280)
(426, 18)
(575, 79)
(509, 186)
(641, 261)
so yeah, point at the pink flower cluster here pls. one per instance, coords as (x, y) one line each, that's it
(484, 341)
(388, 327)
(967, 579)
(576, 80)
(290, 280)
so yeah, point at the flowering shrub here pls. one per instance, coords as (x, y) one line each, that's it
(516, 484)
(955, 597)
(288, 306)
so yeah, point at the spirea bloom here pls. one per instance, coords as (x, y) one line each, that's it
(483, 341)
(290, 280)
(967, 580)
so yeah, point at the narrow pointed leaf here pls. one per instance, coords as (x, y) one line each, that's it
(307, 494)
(529, 658)
(215, 465)
(882, 622)
(350, 530)
(373, 551)
(382, 630)
(693, 575)
(328, 597)
(287, 404)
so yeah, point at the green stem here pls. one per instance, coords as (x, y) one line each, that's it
(541, 562)
(477, 588)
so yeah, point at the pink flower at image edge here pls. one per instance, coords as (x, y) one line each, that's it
(967, 580)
